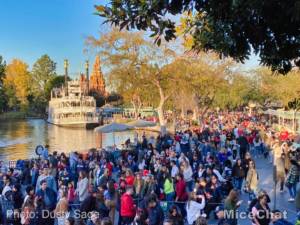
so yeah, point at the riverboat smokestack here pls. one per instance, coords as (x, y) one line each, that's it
(87, 77)
(66, 65)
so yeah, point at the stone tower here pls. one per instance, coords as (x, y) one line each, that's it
(97, 82)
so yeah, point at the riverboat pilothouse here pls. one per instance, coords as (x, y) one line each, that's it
(71, 105)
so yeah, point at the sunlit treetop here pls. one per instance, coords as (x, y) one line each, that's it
(229, 27)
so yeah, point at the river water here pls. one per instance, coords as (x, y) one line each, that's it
(18, 139)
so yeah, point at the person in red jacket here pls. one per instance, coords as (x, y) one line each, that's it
(181, 194)
(128, 208)
(129, 177)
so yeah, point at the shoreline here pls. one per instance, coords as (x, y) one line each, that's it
(15, 116)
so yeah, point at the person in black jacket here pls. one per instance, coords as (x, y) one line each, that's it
(17, 202)
(242, 141)
(39, 217)
(238, 174)
(94, 202)
(25, 176)
(175, 216)
(89, 203)
(155, 212)
(261, 213)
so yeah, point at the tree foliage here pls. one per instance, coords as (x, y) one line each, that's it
(42, 71)
(17, 83)
(231, 27)
(28, 90)
(3, 97)
(43, 77)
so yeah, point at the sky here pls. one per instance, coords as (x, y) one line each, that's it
(31, 28)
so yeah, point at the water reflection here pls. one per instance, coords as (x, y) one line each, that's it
(18, 139)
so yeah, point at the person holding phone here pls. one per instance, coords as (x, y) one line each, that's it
(231, 203)
(194, 207)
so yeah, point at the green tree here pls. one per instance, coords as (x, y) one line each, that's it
(42, 75)
(42, 71)
(231, 27)
(54, 82)
(2, 70)
(3, 97)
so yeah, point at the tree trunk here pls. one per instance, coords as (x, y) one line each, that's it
(135, 108)
(182, 113)
(160, 108)
(160, 112)
(195, 114)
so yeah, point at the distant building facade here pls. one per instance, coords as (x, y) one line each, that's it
(97, 81)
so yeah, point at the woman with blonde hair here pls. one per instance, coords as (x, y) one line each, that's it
(27, 209)
(251, 180)
(61, 210)
(194, 208)
(285, 149)
(139, 186)
(231, 204)
(187, 174)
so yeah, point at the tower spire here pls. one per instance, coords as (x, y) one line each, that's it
(97, 82)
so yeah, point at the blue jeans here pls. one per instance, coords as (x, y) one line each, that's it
(293, 190)
(251, 195)
(170, 198)
(238, 182)
(190, 186)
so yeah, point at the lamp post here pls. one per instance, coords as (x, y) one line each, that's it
(66, 65)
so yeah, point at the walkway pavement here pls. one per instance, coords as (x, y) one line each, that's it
(266, 182)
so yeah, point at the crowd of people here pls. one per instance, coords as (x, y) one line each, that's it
(190, 177)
